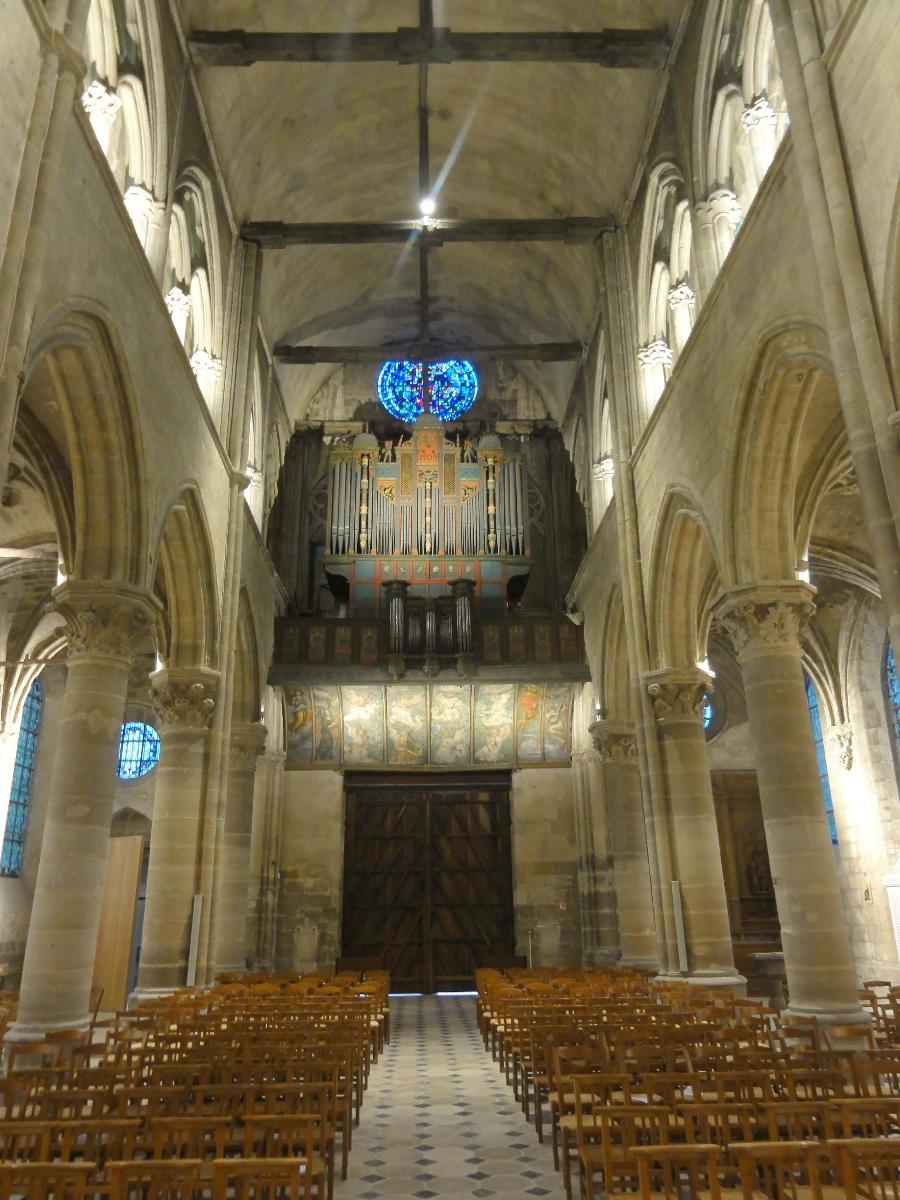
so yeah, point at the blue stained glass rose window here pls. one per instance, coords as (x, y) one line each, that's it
(138, 750)
(452, 389)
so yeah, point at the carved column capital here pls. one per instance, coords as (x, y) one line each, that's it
(615, 741)
(759, 114)
(655, 353)
(275, 758)
(604, 468)
(720, 203)
(765, 618)
(206, 366)
(842, 737)
(184, 698)
(681, 296)
(678, 693)
(105, 620)
(248, 741)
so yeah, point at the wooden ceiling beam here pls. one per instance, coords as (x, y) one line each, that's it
(277, 235)
(433, 351)
(635, 49)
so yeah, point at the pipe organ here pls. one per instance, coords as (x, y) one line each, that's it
(428, 510)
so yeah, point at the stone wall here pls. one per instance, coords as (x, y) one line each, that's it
(312, 864)
(545, 865)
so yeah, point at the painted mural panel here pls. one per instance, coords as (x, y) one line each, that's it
(529, 705)
(299, 720)
(451, 740)
(327, 705)
(495, 705)
(557, 722)
(407, 726)
(363, 724)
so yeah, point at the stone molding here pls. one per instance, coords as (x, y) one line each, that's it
(765, 618)
(842, 737)
(678, 693)
(275, 758)
(616, 741)
(104, 620)
(184, 698)
(248, 741)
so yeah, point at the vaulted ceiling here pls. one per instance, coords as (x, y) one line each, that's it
(316, 142)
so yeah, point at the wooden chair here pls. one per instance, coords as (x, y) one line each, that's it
(157, 1179)
(261, 1179)
(785, 1171)
(622, 1129)
(868, 1167)
(690, 1172)
(46, 1181)
(292, 1136)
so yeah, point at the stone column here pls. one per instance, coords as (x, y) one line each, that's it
(102, 107)
(616, 744)
(233, 886)
(104, 623)
(764, 623)
(697, 862)
(761, 123)
(655, 360)
(682, 301)
(718, 218)
(184, 699)
(599, 928)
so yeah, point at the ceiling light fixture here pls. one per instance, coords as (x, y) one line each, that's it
(427, 206)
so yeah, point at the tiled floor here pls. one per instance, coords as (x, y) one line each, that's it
(438, 1119)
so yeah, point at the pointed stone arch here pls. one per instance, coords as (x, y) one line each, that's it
(782, 382)
(245, 705)
(685, 575)
(186, 578)
(78, 392)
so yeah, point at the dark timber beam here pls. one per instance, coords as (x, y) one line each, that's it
(276, 235)
(429, 352)
(632, 48)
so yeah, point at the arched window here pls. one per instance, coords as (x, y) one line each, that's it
(892, 694)
(815, 720)
(20, 792)
(138, 750)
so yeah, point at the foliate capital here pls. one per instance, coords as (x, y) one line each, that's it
(765, 618)
(656, 353)
(759, 114)
(184, 697)
(678, 694)
(681, 296)
(615, 741)
(604, 468)
(248, 741)
(842, 737)
(105, 621)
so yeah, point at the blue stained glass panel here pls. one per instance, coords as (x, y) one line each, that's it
(707, 712)
(138, 750)
(20, 792)
(815, 720)
(892, 684)
(452, 389)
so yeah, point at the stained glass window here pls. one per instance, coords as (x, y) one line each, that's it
(138, 750)
(452, 389)
(892, 687)
(20, 792)
(708, 713)
(815, 720)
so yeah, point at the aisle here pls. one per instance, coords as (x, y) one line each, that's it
(438, 1119)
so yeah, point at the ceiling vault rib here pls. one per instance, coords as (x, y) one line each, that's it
(277, 235)
(430, 351)
(636, 49)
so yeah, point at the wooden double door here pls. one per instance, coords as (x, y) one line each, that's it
(428, 877)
